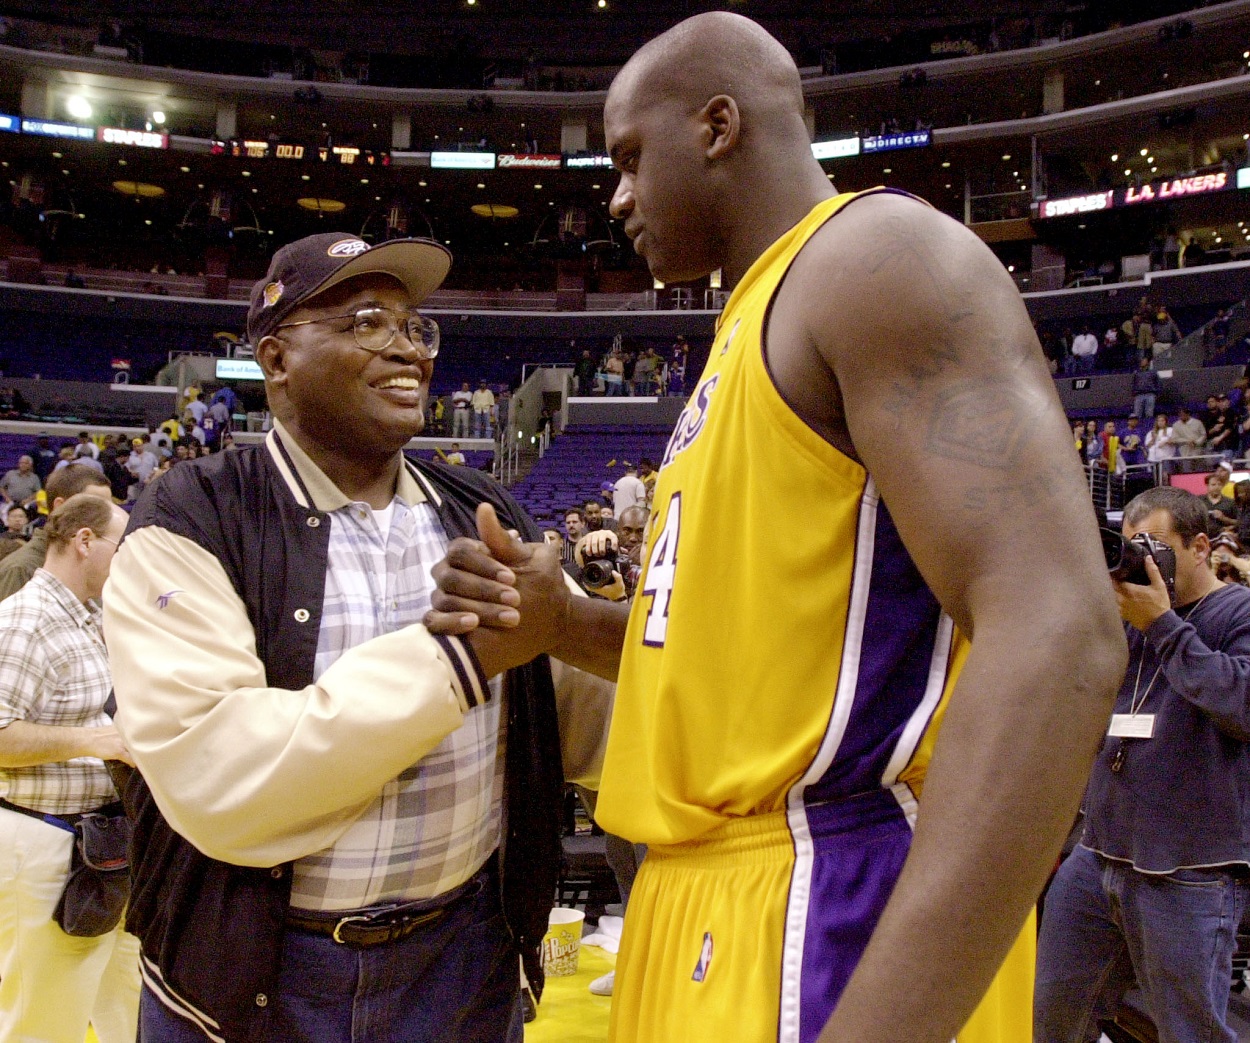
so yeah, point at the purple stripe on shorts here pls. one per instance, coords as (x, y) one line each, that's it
(860, 844)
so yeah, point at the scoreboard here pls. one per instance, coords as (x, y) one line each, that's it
(261, 148)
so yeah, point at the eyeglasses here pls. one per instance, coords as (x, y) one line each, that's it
(105, 539)
(376, 328)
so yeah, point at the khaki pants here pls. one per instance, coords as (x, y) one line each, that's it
(52, 985)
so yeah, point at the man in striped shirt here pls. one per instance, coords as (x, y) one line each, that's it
(54, 740)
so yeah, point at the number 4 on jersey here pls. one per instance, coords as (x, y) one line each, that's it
(661, 569)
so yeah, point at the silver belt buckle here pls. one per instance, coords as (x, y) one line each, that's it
(346, 920)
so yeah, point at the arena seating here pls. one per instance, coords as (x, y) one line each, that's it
(579, 462)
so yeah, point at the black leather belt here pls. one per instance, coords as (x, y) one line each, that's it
(66, 822)
(386, 924)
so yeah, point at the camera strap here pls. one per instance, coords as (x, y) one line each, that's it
(1122, 724)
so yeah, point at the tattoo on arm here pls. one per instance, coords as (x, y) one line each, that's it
(979, 422)
(900, 243)
(1054, 482)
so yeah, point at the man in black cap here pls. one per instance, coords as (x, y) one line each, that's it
(318, 820)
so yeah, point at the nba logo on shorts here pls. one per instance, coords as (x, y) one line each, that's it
(705, 959)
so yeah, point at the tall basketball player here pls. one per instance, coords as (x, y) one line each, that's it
(853, 747)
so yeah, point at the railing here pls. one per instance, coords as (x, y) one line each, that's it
(507, 457)
(1108, 490)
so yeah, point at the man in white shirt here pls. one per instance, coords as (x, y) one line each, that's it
(86, 447)
(1084, 350)
(141, 462)
(628, 492)
(460, 402)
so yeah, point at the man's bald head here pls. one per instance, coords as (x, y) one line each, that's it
(711, 54)
(705, 124)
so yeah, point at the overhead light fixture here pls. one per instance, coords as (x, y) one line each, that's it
(1127, 172)
(887, 170)
(1154, 170)
(481, 184)
(247, 173)
(305, 177)
(1115, 157)
(421, 183)
(158, 116)
(1145, 151)
(138, 189)
(1007, 158)
(1150, 159)
(56, 155)
(185, 170)
(602, 4)
(1011, 267)
(78, 107)
(538, 187)
(594, 186)
(121, 162)
(947, 163)
(494, 210)
(322, 206)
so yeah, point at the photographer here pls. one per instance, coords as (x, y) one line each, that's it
(1156, 888)
(1229, 560)
(609, 563)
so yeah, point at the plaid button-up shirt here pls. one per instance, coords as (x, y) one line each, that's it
(434, 826)
(54, 671)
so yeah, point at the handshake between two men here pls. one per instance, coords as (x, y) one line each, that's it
(514, 602)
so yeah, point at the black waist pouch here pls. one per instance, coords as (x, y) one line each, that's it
(98, 886)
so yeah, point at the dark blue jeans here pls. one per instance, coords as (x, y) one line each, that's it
(1106, 926)
(456, 981)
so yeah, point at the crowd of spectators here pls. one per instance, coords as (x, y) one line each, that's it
(1140, 341)
(621, 372)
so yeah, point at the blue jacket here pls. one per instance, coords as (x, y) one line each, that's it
(1182, 797)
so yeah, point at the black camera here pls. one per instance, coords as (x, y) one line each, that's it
(597, 572)
(1126, 559)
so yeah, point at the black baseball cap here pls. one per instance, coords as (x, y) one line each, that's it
(308, 266)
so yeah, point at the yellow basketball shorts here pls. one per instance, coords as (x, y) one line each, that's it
(750, 935)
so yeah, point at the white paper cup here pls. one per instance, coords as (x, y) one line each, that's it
(562, 942)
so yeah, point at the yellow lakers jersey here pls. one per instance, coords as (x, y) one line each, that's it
(783, 649)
